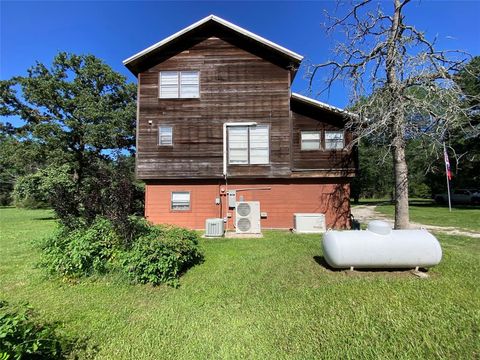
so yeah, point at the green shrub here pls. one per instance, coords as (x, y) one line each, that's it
(162, 255)
(83, 251)
(156, 255)
(21, 337)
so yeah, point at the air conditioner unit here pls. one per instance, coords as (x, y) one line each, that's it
(214, 227)
(309, 223)
(247, 217)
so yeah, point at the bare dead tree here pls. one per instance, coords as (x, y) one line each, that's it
(401, 86)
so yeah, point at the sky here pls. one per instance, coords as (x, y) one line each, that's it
(115, 30)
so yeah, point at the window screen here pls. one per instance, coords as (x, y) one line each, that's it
(259, 151)
(334, 140)
(165, 135)
(248, 145)
(181, 200)
(238, 145)
(310, 140)
(179, 84)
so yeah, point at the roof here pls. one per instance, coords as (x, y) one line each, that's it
(321, 105)
(209, 25)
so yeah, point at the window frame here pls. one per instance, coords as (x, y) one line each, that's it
(320, 143)
(159, 143)
(172, 209)
(248, 163)
(343, 140)
(179, 84)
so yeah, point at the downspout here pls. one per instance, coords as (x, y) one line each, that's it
(225, 125)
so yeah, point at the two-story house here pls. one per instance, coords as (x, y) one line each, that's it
(216, 113)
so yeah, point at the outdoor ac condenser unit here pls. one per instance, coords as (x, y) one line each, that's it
(309, 223)
(214, 227)
(247, 217)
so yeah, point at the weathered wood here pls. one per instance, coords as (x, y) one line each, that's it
(235, 86)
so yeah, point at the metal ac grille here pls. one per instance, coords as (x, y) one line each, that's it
(244, 224)
(243, 209)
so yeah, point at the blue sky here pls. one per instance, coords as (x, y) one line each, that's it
(113, 31)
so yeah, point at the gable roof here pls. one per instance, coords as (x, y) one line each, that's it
(204, 28)
(321, 105)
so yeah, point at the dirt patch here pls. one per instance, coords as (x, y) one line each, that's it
(366, 213)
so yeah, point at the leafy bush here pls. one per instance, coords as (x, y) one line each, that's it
(156, 255)
(83, 251)
(21, 337)
(162, 255)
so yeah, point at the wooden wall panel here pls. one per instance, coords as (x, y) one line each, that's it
(235, 85)
(325, 160)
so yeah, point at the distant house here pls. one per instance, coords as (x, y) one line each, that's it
(216, 113)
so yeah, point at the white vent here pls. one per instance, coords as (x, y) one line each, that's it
(214, 227)
(309, 223)
(247, 219)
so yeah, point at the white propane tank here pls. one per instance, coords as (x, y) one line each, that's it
(381, 247)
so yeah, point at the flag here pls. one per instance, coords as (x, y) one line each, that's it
(447, 164)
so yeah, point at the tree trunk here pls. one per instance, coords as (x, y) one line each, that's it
(401, 184)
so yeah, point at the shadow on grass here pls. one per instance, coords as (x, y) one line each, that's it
(52, 217)
(320, 260)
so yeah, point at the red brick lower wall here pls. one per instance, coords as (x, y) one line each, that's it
(280, 202)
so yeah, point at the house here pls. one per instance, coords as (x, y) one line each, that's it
(216, 114)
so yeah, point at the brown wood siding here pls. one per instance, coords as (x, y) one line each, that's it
(340, 162)
(235, 86)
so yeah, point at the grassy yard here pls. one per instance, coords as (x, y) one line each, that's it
(264, 298)
(426, 212)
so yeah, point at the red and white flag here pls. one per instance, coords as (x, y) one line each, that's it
(447, 164)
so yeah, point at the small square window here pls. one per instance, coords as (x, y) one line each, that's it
(180, 200)
(334, 140)
(165, 136)
(310, 140)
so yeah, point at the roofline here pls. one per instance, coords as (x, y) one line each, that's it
(220, 21)
(320, 104)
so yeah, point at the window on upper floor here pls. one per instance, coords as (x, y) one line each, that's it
(180, 200)
(310, 140)
(165, 135)
(179, 84)
(249, 145)
(334, 140)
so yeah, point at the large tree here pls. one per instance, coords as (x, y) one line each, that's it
(402, 86)
(78, 109)
(78, 126)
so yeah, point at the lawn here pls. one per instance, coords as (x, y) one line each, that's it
(264, 298)
(426, 212)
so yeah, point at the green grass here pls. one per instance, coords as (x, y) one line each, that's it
(256, 298)
(467, 218)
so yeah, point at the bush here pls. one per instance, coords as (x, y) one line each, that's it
(162, 255)
(156, 255)
(21, 337)
(83, 251)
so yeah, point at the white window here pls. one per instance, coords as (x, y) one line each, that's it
(334, 140)
(179, 84)
(248, 145)
(310, 140)
(238, 145)
(259, 149)
(180, 200)
(165, 135)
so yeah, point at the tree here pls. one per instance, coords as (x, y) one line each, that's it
(79, 124)
(402, 86)
(79, 109)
